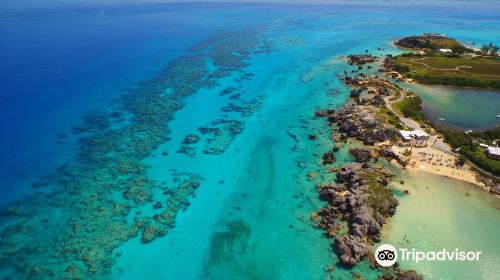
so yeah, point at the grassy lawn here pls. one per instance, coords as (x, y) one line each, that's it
(444, 43)
(478, 72)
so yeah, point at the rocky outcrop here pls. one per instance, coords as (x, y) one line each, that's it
(360, 155)
(366, 222)
(329, 158)
(355, 93)
(388, 154)
(495, 190)
(351, 199)
(350, 249)
(368, 121)
(324, 113)
(351, 81)
(397, 273)
(361, 197)
(361, 59)
(409, 275)
(355, 123)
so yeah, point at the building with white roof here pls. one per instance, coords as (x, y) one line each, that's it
(493, 152)
(445, 51)
(405, 135)
(433, 35)
(408, 135)
(420, 135)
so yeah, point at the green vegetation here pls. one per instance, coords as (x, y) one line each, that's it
(378, 194)
(490, 49)
(401, 68)
(407, 153)
(468, 143)
(478, 157)
(411, 107)
(387, 116)
(431, 44)
(450, 70)
(455, 69)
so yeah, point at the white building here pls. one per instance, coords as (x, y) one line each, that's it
(408, 135)
(493, 153)
(405, 135)
(434, 35)
(446, 51)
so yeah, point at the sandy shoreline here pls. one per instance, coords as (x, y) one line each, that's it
(435, 156)
(431, 160)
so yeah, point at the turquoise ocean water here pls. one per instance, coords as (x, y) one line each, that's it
(245, 80)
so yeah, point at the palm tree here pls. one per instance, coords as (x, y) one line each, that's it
(494, 49)
(485, 49)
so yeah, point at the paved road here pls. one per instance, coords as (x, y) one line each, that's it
(439, 143)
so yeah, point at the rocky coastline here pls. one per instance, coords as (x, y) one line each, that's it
(360, 201)
(353, 200)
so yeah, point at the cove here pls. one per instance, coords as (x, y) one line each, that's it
(461, 108)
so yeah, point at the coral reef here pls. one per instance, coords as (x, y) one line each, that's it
(187, 145)
(90, 206)
(220, 133)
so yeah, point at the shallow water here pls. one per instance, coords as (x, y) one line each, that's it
(463, 109)
(443, 213)
(249, 218)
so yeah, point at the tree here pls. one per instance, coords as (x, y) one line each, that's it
(458, 49)
(485, 49)
(494, 49)
(461, 159)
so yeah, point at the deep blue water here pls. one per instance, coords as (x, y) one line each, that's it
(60, 63)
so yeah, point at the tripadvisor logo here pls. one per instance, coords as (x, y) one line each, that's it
(386, 255)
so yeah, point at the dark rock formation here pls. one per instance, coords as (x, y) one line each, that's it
(355, 93)
(409, 275)
(351, 81)
(363, 204)
(329, 157)
(350, 249)
(388, 154)
(324, 113)
(355, 123)
(364, 222)
(495, 190)
(361, 59)
(398, 274)
(361, 155)
(368, 122)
